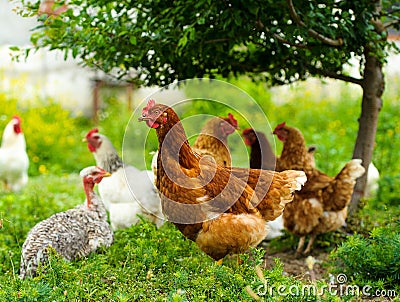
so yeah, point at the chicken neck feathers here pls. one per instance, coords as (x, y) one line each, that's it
(107, 157)
(261, 154)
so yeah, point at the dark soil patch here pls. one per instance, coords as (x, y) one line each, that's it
(299, 266)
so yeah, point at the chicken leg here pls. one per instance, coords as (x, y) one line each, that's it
(309, 245)
(300, 245)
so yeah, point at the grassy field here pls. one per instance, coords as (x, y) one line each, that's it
(146, 263)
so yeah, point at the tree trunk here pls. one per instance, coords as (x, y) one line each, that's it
(373, 87)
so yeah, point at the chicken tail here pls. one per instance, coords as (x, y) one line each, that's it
(338, 194)
(299, 178)
(355, 169)
(280, 192)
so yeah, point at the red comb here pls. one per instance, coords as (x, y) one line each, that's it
(233, 121)
(95, 130)
(16, 117)
(281, 125)
(247, 131)
(150, 104)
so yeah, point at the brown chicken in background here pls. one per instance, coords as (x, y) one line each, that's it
(262, 157)
(214, 206)
(310, 155)
(321, 205)
(261, 154)
(213, 139)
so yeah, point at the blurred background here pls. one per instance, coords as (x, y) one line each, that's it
(60, 100)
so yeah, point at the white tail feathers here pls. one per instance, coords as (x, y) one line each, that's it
(355, 168)
(300, 178)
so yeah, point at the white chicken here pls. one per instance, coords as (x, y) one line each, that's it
(129, 191)
(372, 186)
(14, 161)
(74, 233)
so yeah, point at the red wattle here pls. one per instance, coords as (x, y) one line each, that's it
(281, 138)
(17, 128)
(152, 124)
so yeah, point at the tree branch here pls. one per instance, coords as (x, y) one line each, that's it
(334, 75)
(391, 23)
(216, 40)
(312, 33)
(391, 11)
(280, 39)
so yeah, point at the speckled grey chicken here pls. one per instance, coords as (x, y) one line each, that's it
(74, 233)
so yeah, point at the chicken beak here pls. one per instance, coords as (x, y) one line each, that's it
(107, 174)
(143, 118)
(84, 140)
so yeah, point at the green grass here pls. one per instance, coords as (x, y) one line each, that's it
(144, 263)
(159, 264)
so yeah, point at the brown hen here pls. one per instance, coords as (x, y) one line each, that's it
(321, 205)
(262, 157)
(213, 139)
(208, 203)
(261, 154)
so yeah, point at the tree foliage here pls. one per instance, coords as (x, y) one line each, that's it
(158, 42)
(282, 41)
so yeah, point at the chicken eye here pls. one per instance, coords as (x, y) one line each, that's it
(157, 112)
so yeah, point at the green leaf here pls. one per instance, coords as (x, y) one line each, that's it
(182, 41)
(75, 51)
(192, 33)
(132, 40)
